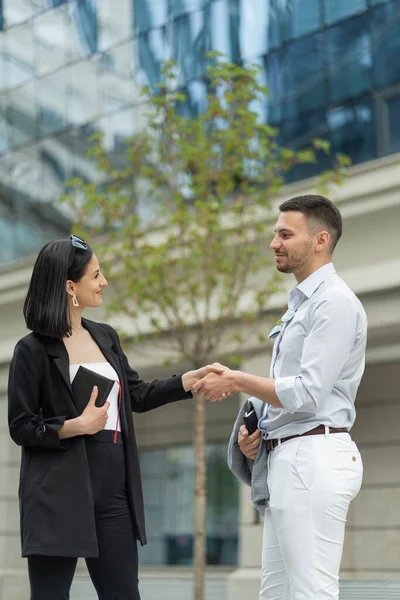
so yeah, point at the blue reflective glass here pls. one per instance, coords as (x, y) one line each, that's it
(52, 102)
(352, 130)
(82, 92)
(386, 44)
(196, 99)
(275, 33)
(298, 134)
(303, 76)
(18, 11)
(224, 27)
(22, 114)
(253, 33)
(19, 55)
(350, 58)
(190, 43)
(54, 3)
(393, 108)
(85, 19)
(117, 87)
(275, 83)
(50, 32)
(148, 14)
(336, 10)
(300, 17)
(183, 7)
(4, 142)
(151, 50)
(114, 22)
(168, 482)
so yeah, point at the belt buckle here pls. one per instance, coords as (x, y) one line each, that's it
(270, 445)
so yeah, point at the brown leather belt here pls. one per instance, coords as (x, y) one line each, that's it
(271, 444)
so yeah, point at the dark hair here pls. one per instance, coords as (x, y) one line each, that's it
(319, 212)
(46, 304)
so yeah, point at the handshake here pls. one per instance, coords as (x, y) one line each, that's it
(213, 382)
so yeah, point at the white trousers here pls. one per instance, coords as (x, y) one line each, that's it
(312, 480)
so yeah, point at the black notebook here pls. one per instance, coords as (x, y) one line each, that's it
(82, 387)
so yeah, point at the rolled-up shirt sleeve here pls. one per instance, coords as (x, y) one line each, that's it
(331, 337)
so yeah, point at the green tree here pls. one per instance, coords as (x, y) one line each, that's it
(199, 268)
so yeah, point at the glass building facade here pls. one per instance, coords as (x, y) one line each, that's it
(72, 67)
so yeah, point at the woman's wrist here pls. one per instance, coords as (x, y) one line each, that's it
(71, 428)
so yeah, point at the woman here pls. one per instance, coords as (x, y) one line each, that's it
(80, 490)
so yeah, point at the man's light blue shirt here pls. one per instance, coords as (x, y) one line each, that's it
(318, 358)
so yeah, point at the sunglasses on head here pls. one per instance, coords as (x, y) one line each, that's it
(78, 242)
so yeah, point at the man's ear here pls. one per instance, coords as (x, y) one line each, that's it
(70, 287)
(323, 241)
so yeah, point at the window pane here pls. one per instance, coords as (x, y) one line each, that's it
(350, 58)
(298, 134)
(303, 69)
(225, 27)
(189, 45)
(148, 14)
(183, 7)
(115, 79)
(114, 21)
(16, 11)
(82, 96)
(19, 55)
(50, 39)
(254, 21)
(352, 130)
(393, 106)
(275, 84)
(7, 246)
(275, 33)
(84, 16)
(151, 50)
(168, 482)
(22, 114)
(4, 133)
(386, 43)
(2, 62)
(300, 17)
(52, 102)
(335, 10)
(196, 99)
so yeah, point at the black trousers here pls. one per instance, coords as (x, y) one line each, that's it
(115, 572)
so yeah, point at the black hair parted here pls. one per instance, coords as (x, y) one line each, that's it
(319, 212)
(46, 309)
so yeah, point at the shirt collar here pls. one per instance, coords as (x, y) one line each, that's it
(313, 281)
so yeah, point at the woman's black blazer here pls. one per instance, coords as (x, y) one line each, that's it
(55, 495)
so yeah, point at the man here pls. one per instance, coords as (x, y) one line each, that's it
(312, 467)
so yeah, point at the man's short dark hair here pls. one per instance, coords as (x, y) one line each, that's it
(46, 309)
(320, 212)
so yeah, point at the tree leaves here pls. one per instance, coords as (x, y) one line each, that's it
(185, 216)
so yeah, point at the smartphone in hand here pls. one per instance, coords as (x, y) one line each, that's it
(250, 418)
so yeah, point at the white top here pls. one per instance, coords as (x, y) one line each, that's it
(318, 357)
(104, 368)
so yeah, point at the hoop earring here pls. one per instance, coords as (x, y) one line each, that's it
(75, 301)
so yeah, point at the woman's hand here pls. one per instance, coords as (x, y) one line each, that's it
(190, 378)
(94, 418)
